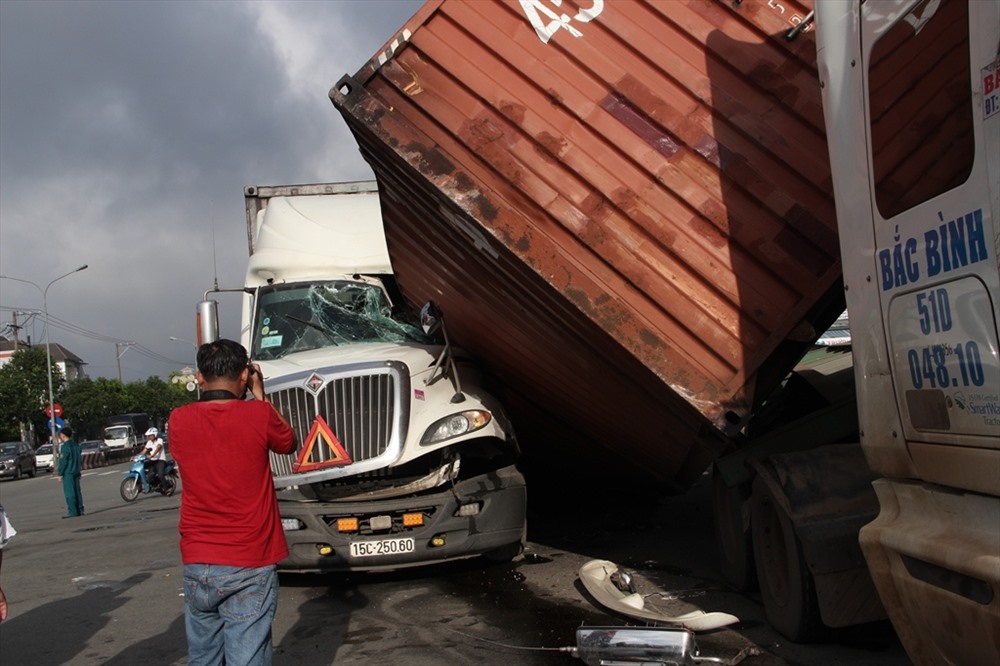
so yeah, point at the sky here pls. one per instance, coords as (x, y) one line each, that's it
(128, 131)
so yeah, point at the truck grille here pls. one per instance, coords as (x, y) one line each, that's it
(360, 410)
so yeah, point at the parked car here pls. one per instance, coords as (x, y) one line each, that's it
(92, 446)
(44, 459)
(16, 459)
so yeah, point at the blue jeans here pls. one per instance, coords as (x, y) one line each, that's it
(228, 614)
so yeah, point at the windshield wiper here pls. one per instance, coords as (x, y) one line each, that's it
(310, 324)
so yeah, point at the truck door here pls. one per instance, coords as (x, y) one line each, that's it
(931, 107)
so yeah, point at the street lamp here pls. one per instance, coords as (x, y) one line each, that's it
(48, 345)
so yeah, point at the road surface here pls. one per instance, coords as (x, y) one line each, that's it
(105, 589)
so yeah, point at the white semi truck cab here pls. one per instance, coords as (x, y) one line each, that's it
(403, 458)
(912, 108)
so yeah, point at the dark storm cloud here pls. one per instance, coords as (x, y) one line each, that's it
(127, 133)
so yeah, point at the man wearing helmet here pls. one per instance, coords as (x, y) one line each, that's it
(155, 453)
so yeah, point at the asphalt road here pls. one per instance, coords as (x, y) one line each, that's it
(106, 588)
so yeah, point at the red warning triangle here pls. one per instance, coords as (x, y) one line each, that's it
(307, 458)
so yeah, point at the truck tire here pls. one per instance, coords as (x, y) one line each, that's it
(786, 585)
(732, 533)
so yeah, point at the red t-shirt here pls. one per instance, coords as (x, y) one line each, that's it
(229, 511)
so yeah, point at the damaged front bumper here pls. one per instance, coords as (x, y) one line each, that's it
(481, 515)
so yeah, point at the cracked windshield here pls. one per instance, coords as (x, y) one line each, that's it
(299, 317)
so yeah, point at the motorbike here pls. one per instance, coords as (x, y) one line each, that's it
(137, 478)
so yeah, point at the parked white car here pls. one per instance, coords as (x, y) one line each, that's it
(43, 457)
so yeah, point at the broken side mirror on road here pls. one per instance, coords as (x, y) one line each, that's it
(621, 646)
(662, 646)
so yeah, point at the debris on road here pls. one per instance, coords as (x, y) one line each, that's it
(615, 589)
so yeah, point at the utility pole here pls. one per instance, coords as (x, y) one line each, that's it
(15, 329)
(118, 355)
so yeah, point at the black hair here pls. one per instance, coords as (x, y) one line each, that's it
(66, 430)
(222, 359)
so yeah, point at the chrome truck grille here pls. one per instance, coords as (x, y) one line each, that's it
(361, 405)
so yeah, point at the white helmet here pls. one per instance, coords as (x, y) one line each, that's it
(152, 431)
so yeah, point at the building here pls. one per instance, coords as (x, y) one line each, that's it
(71, 365)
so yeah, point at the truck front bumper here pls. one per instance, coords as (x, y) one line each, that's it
(497, 501)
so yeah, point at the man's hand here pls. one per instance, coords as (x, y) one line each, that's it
(255, 381)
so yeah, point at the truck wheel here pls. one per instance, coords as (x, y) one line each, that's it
(130, 489)
(732, 533)
(786, 586)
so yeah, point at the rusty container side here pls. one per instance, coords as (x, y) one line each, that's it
(628, 218)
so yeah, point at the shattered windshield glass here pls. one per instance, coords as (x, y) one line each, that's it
(299, 317)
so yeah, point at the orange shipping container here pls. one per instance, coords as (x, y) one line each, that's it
(623, 208)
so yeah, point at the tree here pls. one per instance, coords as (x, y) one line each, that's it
(158, 398)
(88, 403)
(24, 391)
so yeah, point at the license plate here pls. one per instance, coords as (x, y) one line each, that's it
(381, 547)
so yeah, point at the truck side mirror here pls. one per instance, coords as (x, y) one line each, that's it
(430, 318)
(208, 322)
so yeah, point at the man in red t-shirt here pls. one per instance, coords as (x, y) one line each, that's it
(231, 535)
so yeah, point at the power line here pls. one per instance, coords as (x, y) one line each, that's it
(100, 337)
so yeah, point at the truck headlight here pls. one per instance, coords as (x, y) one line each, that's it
(455, 425)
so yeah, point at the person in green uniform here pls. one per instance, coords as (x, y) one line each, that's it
(70, 465)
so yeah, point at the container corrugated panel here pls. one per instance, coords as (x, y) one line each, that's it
(623, 208)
